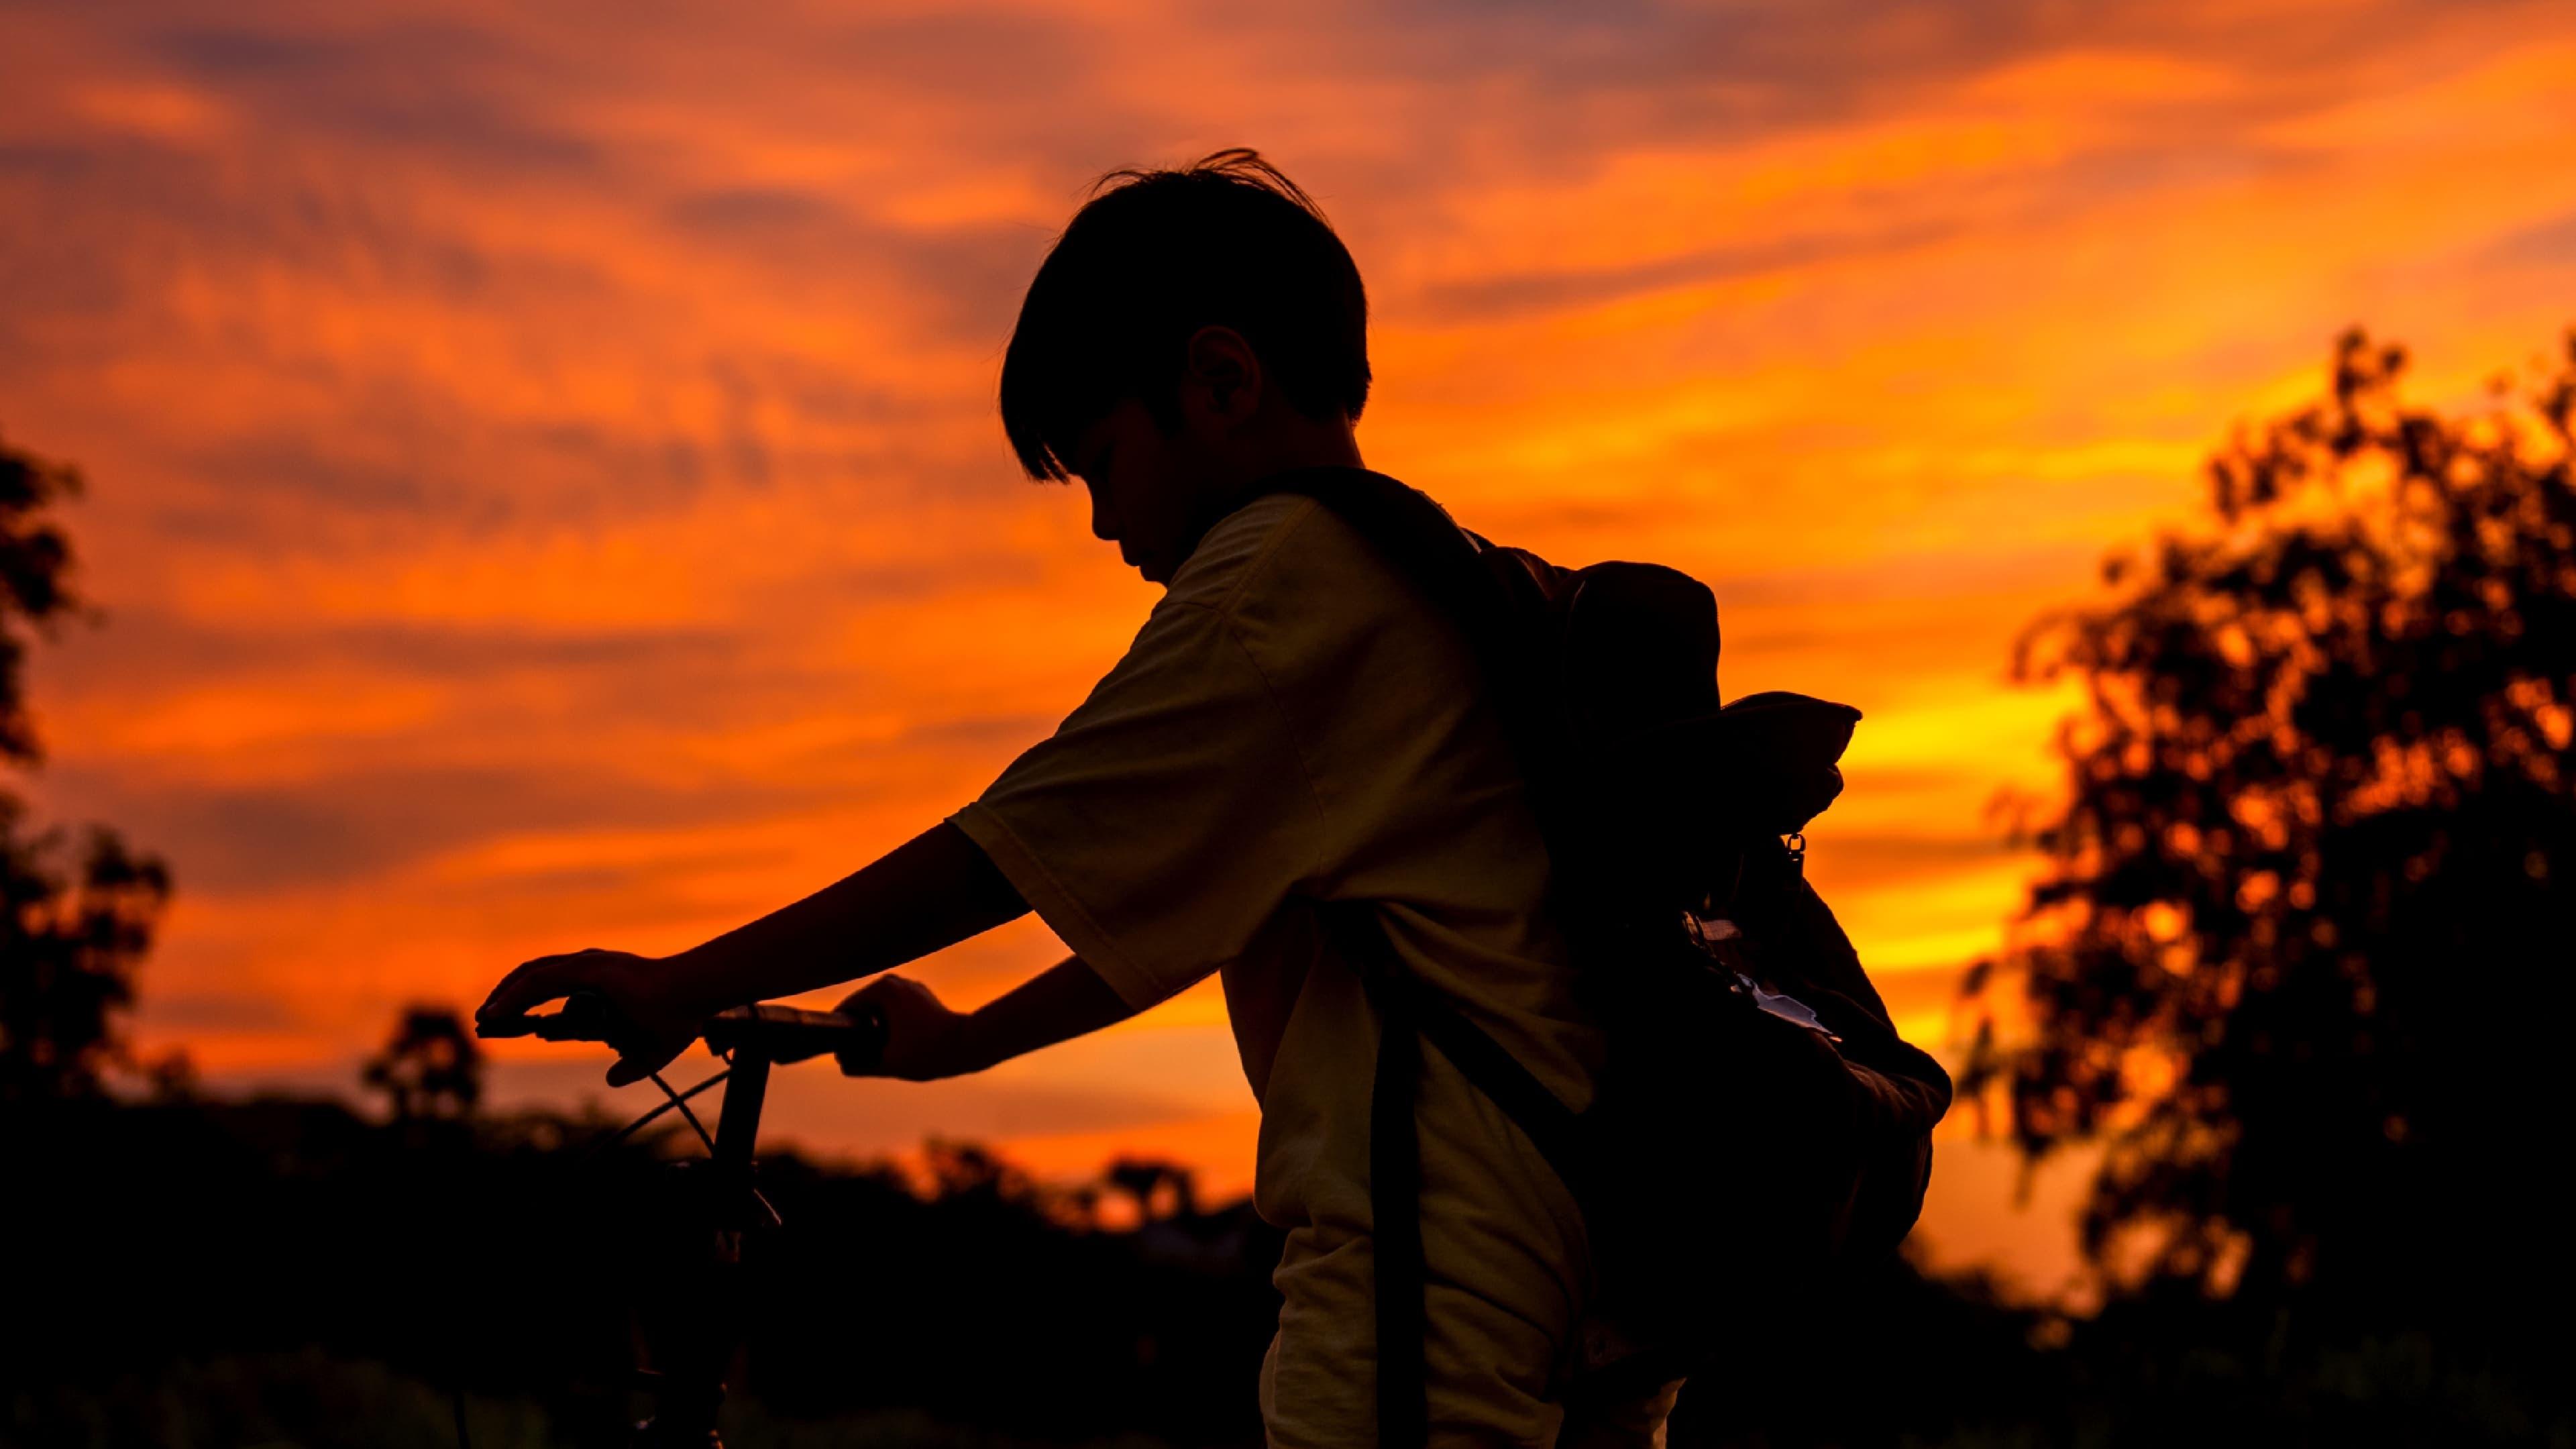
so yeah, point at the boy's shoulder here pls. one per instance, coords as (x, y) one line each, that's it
(1279, 542)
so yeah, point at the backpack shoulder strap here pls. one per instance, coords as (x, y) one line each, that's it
(1359, 937)
(1482, 589)
(1407, 1013)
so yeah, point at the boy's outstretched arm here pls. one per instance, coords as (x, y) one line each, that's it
(925, 1040)
(932, 891)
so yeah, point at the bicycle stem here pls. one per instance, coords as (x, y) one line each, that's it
(738, 1125)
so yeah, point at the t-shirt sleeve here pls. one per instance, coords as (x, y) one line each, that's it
(1166, 819)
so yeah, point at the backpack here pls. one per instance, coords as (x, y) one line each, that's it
(1758, 1126)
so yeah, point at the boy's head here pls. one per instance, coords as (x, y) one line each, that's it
(1193, 330)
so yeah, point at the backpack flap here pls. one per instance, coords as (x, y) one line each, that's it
(1775, 758)
(1637, 648)
(1684, 802)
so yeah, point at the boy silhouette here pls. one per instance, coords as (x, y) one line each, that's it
(1294, 724)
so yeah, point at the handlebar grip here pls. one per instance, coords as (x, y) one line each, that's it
(787, 1034)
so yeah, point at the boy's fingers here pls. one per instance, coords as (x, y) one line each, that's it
(884, 996)
(867, 1001)
(866, 1059)
(528, 985)
(531, 983)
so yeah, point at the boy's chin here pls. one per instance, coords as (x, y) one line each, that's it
(1155, 567)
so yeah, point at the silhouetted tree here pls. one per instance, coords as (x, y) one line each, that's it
(2301, 948)
(75, 920)
(430, 1068)
(1160, 1190)
(35, 580)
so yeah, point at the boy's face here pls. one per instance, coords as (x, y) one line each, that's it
(1147, 487)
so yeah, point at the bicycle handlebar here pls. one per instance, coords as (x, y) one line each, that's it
(775, 1033)
(787, 1034)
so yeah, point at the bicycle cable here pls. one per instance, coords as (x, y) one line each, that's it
(679, 1100)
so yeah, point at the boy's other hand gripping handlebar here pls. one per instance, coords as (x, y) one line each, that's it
(788, 1034)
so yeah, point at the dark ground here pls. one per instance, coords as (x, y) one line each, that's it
(290, 1273)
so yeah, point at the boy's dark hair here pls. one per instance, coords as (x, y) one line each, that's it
(1156, 255)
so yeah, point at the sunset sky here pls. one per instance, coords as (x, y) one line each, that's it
(545, 488)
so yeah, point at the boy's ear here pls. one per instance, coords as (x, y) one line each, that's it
(1223, 370)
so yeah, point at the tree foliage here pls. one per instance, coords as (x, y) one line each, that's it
(2300, 949)
(431, 1068)
(35, 580)
(75, 918)
(75, 922)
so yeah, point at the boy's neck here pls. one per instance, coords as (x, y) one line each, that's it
(1292, 442)
(1316, 447)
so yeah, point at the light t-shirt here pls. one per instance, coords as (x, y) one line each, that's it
(1295, 722)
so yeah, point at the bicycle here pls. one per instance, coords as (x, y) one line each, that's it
(691, 1338)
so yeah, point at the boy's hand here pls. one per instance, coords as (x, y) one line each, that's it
(657, 1019)
(924, 1040)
